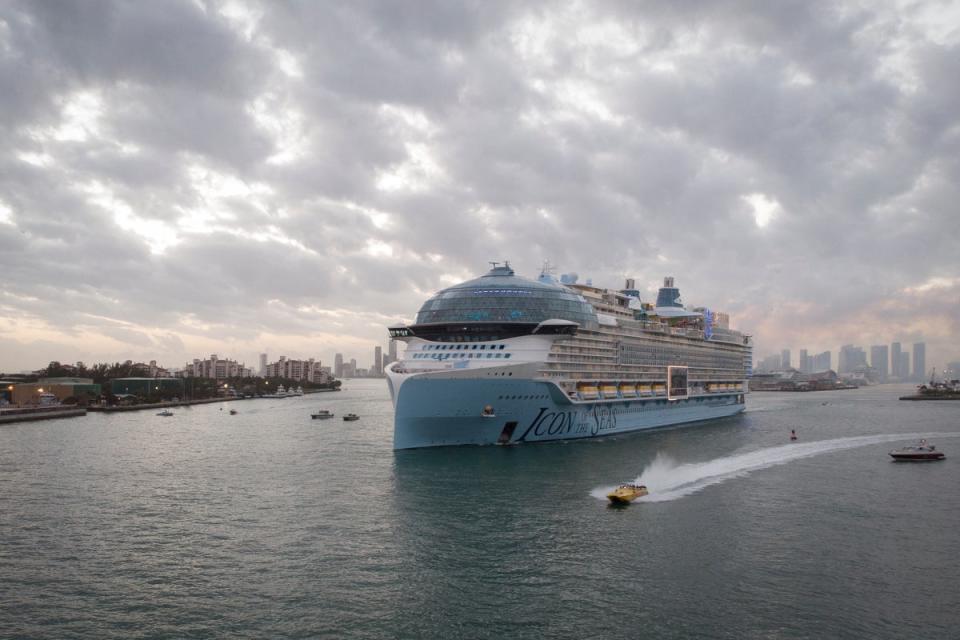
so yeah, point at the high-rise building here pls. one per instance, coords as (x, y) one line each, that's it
(850, 358)
(785, 359)
(804, 363)
(770, 363)
(920, 361)
(338, 366)
(822, 362)
(904, 367)
(263, 365)
(895, 361)
(879, 360)
(377, 368)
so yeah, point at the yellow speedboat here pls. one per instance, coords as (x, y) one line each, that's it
(627, 493)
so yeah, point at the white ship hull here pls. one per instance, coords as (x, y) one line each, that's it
(432, 412)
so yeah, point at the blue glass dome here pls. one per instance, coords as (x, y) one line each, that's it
(502, 296)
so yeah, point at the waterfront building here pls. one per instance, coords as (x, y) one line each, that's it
(377, 368)
(52, 391)
(920, 361)
(895, 361)
(304, 370)
(338, 365)
(216, 369)
(879, 359)
(796, 381)
(785, 359)
(146, 387)
(263, 365)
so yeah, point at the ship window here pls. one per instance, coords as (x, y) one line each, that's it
(489, 355)
(499, 355)
(502, 347)
(506, 355)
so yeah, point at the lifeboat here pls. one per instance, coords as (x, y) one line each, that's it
(645, 390)
(628, 390)
(608, 390)
(588, 390)
(627, 493)
(659, 389)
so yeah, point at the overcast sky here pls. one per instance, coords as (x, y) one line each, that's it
(186, 178)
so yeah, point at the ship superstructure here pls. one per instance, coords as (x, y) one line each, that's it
(503, 359)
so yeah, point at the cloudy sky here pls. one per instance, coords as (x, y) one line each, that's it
(186, 178)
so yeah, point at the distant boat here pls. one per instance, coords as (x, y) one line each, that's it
(323, 414)
(166, 413)
(233, 412)
(350, 417)
(920, 453)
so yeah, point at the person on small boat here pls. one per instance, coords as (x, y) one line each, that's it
(793, 434)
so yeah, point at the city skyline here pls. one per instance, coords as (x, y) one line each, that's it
(888, 362)
(237, 178)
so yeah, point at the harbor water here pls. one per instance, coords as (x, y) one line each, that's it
(267, 524)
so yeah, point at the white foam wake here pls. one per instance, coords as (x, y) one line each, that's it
(668, 480)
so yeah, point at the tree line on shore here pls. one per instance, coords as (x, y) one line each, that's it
(193, 387)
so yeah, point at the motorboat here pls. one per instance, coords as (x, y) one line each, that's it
(627, 493)
(323, 414)
(233, 412)
(922, 452)
(350, 417)
(166, 413)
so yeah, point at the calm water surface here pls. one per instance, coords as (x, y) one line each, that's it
(269, 524)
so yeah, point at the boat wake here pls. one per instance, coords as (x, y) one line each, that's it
(668, 480)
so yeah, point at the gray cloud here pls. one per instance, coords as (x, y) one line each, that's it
(185, 177)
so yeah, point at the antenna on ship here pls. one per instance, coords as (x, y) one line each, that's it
(494, 264)
(547, 269)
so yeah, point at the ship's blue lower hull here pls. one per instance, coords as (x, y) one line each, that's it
(432, 412)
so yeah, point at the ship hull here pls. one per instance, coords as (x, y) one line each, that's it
(434, 412)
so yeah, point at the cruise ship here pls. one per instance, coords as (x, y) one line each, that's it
(504, 359)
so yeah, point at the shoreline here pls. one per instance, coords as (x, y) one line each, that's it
(26, 414)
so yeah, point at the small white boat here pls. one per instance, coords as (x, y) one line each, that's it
(920, 453)
(166, 413)
(350, 417)
(323, 414)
